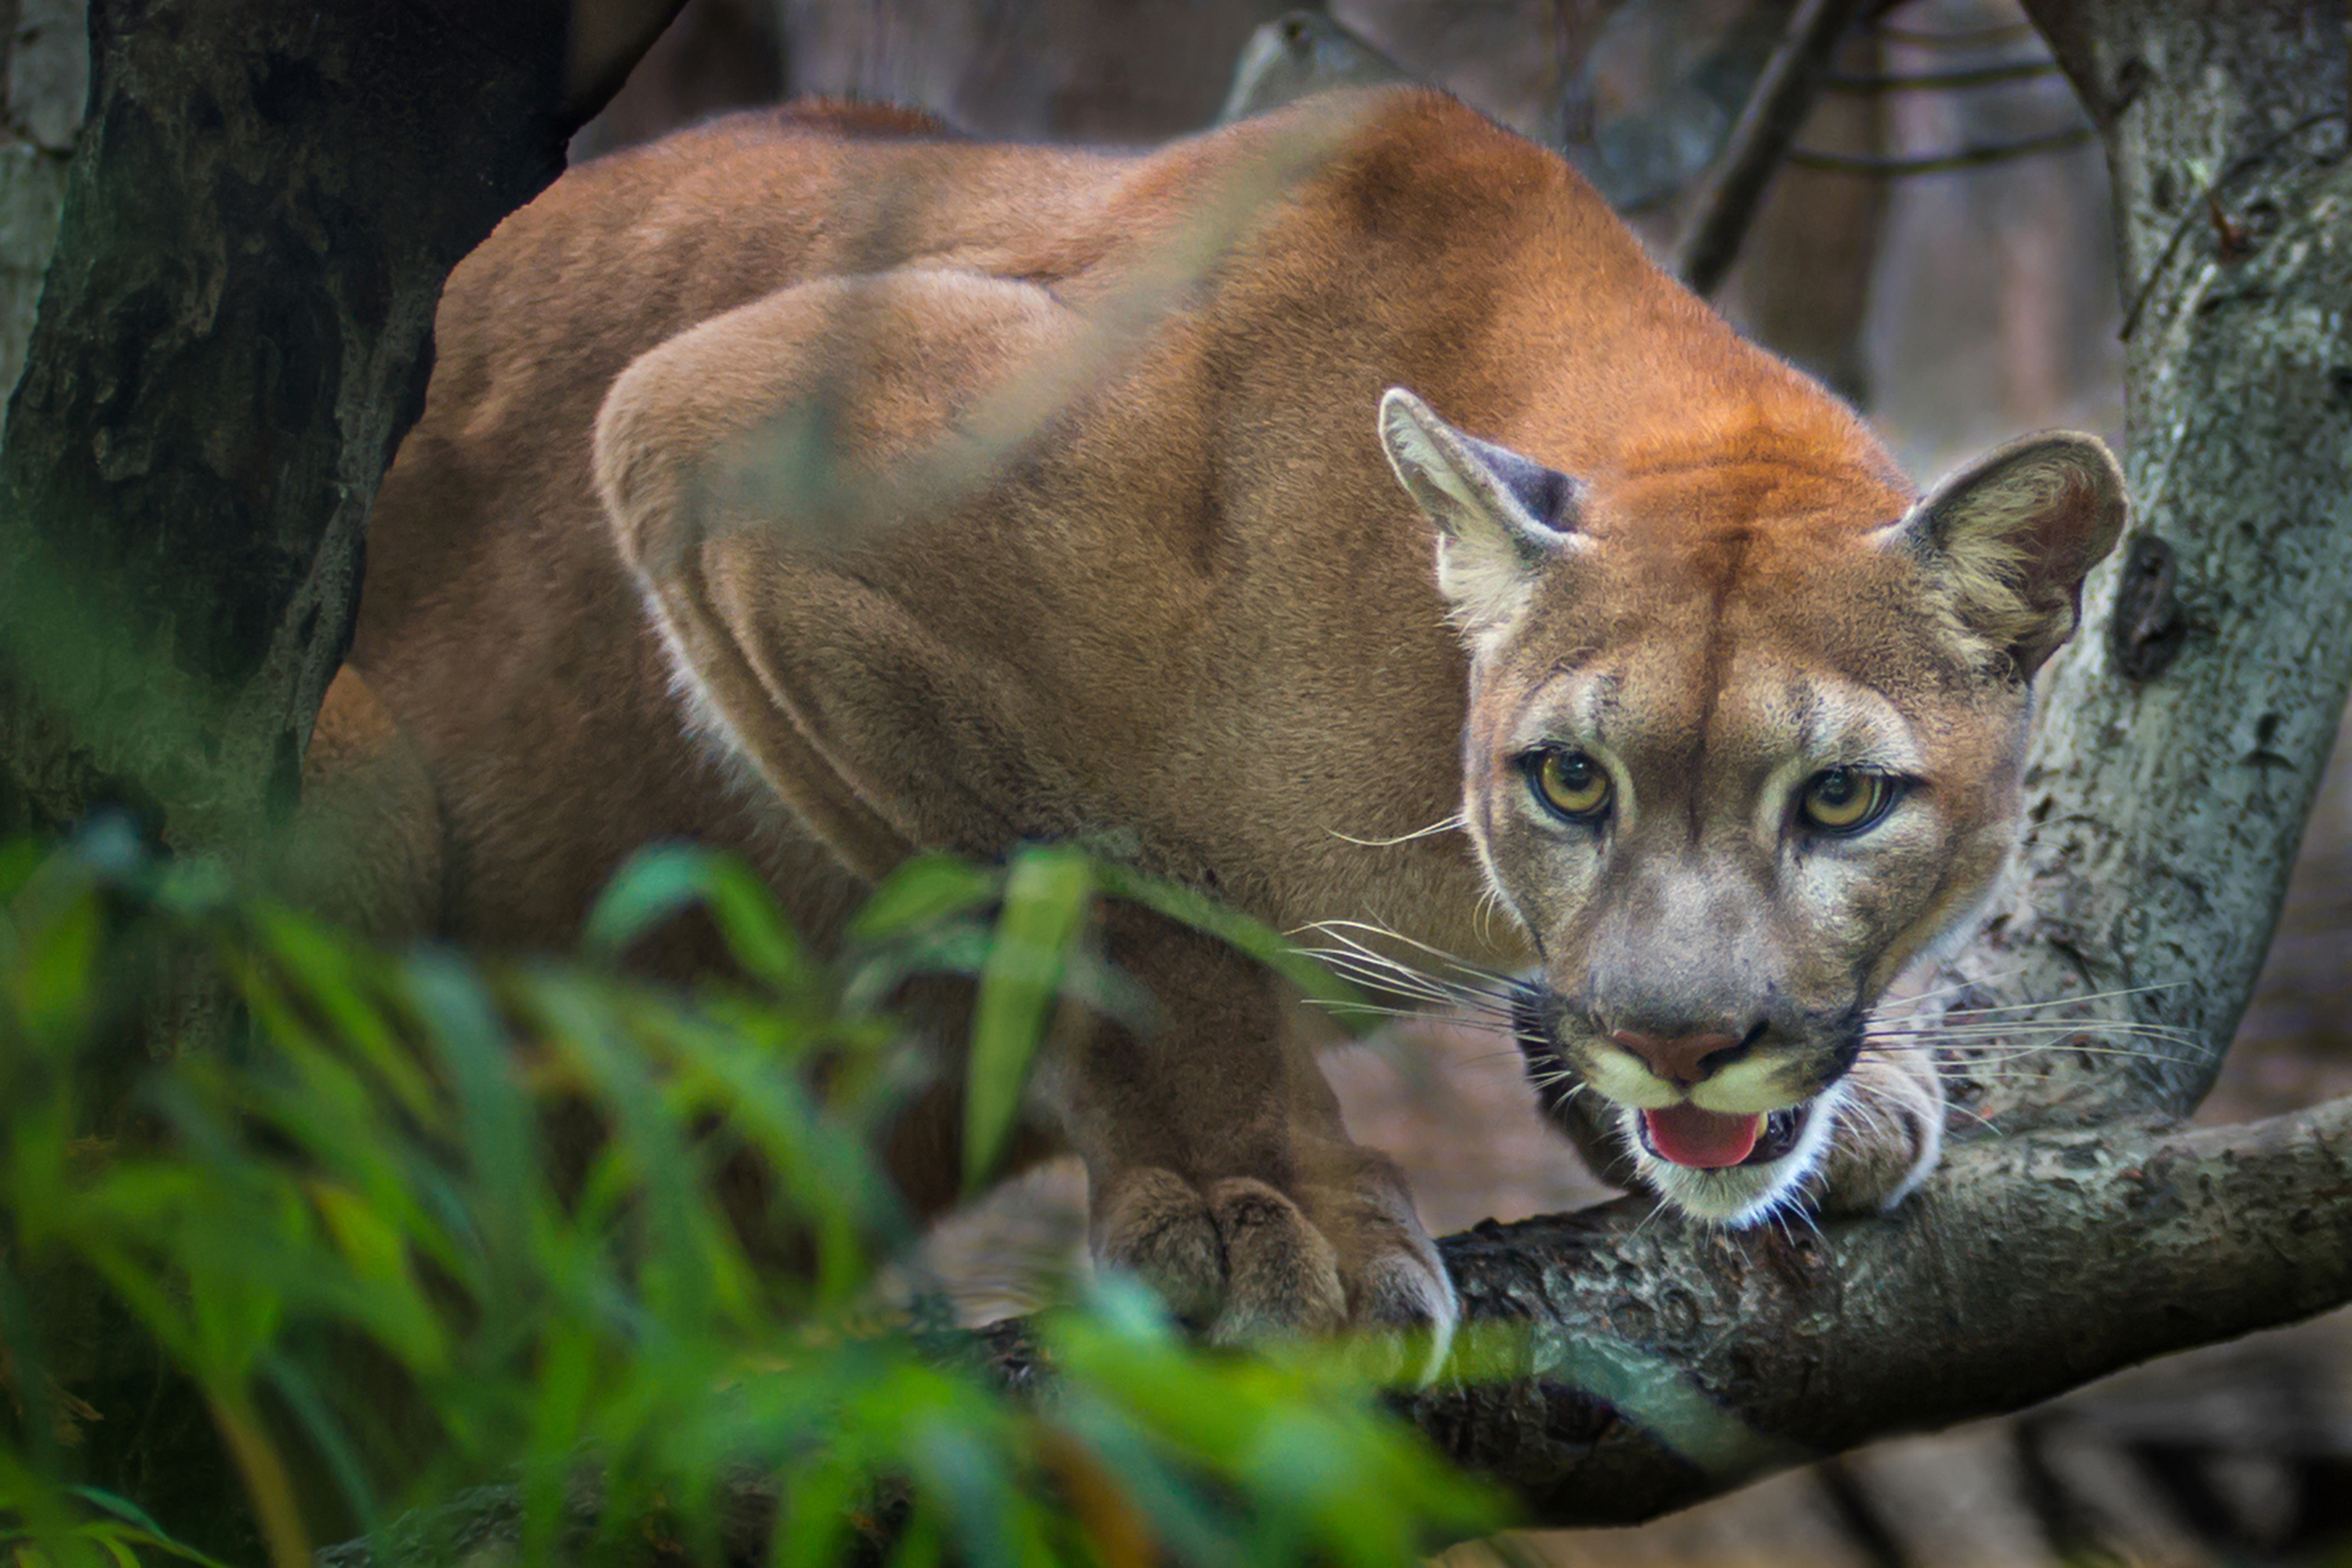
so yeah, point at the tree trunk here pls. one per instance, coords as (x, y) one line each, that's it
(234, 334)
(2184, 731)
(234, 337)
(1802, 284)
(45, 78)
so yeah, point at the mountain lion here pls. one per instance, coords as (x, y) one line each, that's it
(1337, 512)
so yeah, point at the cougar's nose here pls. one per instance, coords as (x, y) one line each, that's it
(1686, 1059)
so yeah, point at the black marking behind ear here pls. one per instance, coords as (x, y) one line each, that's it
(1550, 496)
(1502, 518)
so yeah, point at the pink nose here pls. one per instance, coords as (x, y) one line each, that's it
(1682, 1061)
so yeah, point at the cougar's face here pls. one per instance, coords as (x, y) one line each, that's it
(1742, 742)
(1727, 829)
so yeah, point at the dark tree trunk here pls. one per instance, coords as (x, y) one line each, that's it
(235, 334)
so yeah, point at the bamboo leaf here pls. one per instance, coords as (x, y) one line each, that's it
(1046, 895)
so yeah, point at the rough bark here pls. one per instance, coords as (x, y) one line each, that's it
(1646, 1364)
(45, 49)
(2028, 1267)
(233, 338)
(2184, 731)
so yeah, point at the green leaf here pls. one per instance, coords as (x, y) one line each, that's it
(923, 891)
(122, 1508)
(652, 888)
(56, 963)
(1046, 895)
(659, 883)
(1353, 1011)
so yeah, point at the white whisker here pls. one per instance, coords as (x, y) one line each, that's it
(1337, 929)
(2108, 996)
(1453, 823)
(1482, 918)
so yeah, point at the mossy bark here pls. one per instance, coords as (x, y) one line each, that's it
(234, 336)
(233, 332)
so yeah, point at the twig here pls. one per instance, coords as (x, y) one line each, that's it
(1964, 38)
(1939, 162)
(1734, 184)
(1945, 80)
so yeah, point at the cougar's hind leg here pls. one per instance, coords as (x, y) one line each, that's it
(364, 849)
(775, 477)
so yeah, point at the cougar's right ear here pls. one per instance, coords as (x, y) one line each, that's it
(1501, 518)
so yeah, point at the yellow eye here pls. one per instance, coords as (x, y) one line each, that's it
(1571, 785)
(1845, 800)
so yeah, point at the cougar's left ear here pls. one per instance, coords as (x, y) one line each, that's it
(1501, 518)
(2012, 535)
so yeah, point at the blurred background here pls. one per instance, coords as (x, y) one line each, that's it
(1936, 245)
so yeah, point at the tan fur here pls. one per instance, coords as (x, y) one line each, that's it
(830, 493)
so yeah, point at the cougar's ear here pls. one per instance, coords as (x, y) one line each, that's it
(1501, 518)
(2011, 536)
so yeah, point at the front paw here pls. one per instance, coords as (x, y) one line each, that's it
(1249, 1262)
(1889, 1133)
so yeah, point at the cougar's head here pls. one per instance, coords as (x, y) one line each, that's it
(1743, 742)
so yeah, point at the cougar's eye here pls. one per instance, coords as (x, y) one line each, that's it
(1845, 800)
(1569, 784)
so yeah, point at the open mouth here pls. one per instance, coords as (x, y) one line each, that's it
(1712, 1140)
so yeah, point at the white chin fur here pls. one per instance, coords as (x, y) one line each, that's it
(1737, 1195)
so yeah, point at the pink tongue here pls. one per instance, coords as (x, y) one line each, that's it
(1707, 1140)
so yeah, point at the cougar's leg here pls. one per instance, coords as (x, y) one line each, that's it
(364, 849)
(784, 572)
(756, 470)
(1219, 1166)
(1890, 1133)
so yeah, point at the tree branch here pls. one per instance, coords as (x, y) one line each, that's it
(2027, 1267)
(1649, 1364)
(1734, 184)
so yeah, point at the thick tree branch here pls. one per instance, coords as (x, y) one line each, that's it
(1648, 1364)
(2028, 1267)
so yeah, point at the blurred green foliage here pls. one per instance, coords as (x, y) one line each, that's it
(371, 1239)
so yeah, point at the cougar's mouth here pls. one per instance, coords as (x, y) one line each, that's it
(1712, 1140)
